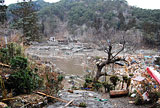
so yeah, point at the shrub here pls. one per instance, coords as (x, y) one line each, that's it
(153, 97)
(97, 85)
(139, 101)
(53, 84)
(97, 58)
(107, 86)
(12, 50)
(88, 80)
(19, 63)
(85, 85)
(4, 57)
(125, 78)
(82, 104)
(23, 79)
(60, 78)
(114, 80)
(131, 74)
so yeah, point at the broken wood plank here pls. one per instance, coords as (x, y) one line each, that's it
(5, 65)
(69, 103)
(140, 94)
(8, 99)
(118, 93)
(55, 98)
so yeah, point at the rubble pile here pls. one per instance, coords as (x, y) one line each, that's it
(143, 84)
(90, 98)
(32, 100)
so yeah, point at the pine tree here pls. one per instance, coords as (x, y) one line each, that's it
(3, 9)
(3, 20)
(26, 20)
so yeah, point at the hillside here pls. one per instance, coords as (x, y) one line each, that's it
(81, 19)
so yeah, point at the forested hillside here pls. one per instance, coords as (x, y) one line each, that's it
(83, 19)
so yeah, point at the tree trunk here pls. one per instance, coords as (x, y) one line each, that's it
(98, 74)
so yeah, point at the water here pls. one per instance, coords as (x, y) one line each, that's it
(70, 65)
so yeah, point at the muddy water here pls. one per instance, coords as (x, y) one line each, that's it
(67, 61)
(70, 66)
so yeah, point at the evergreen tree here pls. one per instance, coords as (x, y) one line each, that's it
(121, 24)
(3, 9)
(26, 19)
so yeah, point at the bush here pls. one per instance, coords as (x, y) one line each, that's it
(19, 63)
(4, 57)
(85, 85)
(12, 50)
(53, 84)
(158, 94)
(131, 74)
(139, 101)
(125, 78)
(60, 78)
(82, 104)
(107, 86)
(97, 58)
(23, 79)
(114, 80)
(97, 85)
(153, 97)
(88, 80)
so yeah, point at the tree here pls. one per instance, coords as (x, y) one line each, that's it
(3, 9)
(3, 20)
(25, 18)
(121, 24)
(107, 40)
(112, 58)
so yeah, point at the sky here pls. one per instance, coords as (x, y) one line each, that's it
(146, 4)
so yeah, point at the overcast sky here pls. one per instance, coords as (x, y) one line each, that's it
(147, 4)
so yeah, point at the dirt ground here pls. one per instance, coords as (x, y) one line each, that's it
(67, 63)
(123, 102)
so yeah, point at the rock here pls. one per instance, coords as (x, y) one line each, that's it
(131, 102)
(133, 95)
(90, 94)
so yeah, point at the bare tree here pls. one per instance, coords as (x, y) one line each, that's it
(112, 58)
(109, 39)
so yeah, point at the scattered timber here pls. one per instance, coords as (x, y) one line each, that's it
(59, 99)
(118, 93)
(69, 103)
(4, 65)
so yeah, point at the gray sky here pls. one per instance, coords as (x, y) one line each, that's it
(147, 4)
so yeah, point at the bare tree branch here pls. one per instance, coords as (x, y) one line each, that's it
(119, 51)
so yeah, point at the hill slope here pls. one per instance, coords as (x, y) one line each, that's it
(80, 19)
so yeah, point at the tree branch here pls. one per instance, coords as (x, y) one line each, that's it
(119, 50)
